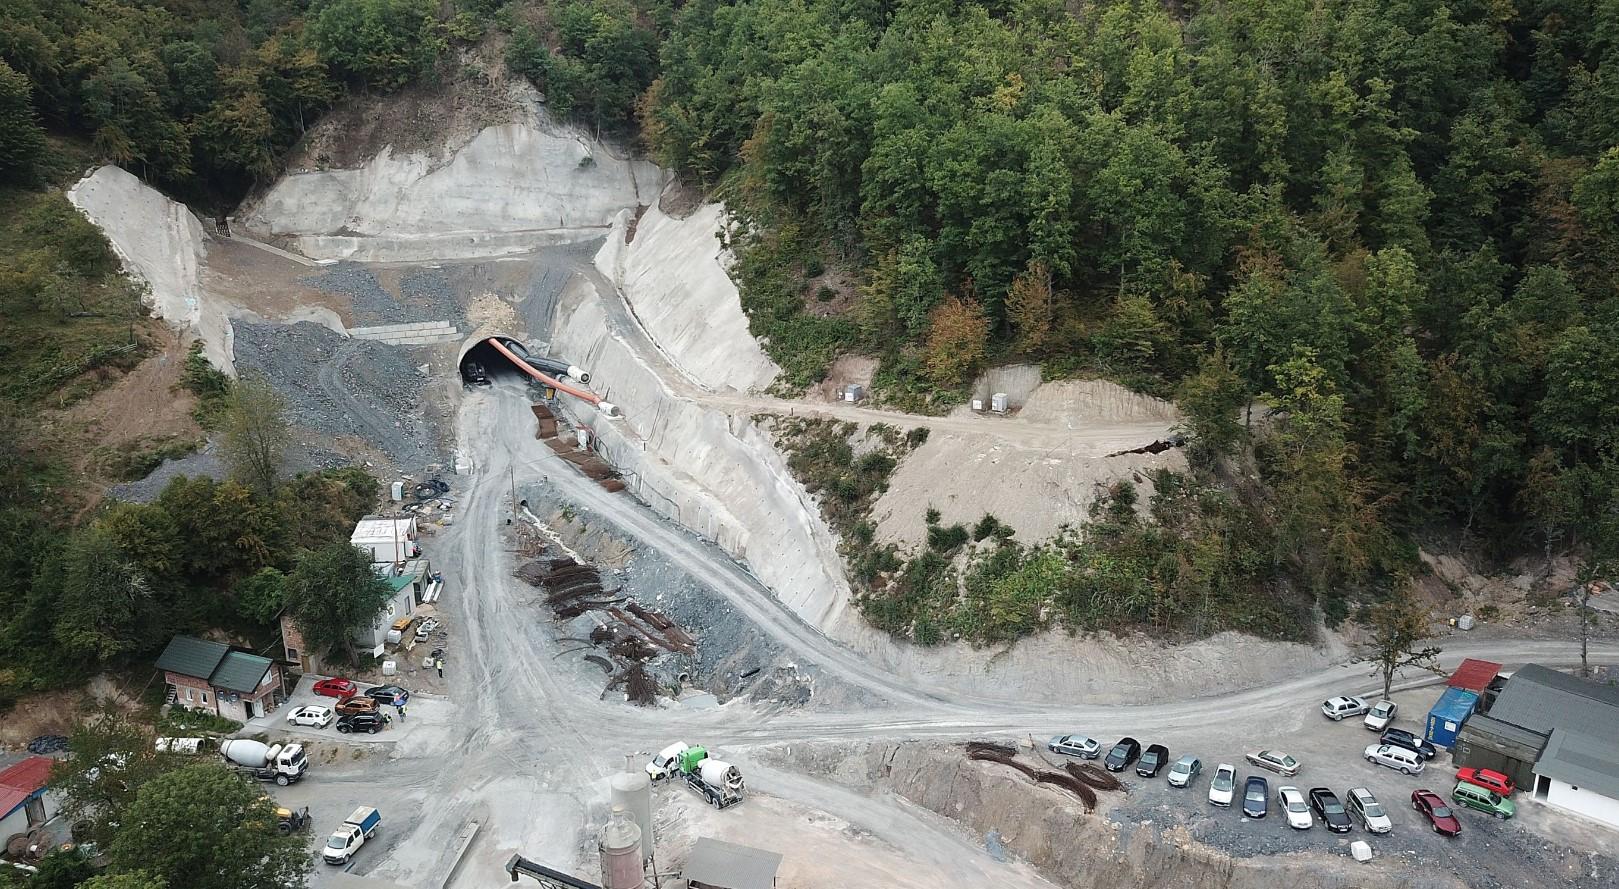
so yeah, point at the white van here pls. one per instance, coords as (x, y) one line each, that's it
(1407, 762)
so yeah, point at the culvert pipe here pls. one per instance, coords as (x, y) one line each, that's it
(607, 408)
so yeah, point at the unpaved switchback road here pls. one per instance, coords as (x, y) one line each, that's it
(528, 747)
(1094, 440)
(496, 424)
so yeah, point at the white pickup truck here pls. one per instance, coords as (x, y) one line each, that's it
(351, 835)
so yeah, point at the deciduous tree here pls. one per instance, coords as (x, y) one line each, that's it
(21, 140)
(113, 758)
(1031, 307)
(104, 598)
(957, 337)
(204, 826)
(1399, 625)
(256, 435)
(331, 593)
(379, 43)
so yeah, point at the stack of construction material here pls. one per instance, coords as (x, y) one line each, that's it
(548, 422)
(592, 466)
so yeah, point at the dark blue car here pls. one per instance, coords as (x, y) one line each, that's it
(1256, 797)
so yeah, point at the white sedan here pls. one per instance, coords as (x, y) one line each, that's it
(1381, 714)
(319, 717)
(1223, 785)
(1295, 808)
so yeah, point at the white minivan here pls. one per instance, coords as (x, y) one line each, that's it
(1407, 762)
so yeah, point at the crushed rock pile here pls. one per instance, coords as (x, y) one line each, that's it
(424, 295)
(335, 386)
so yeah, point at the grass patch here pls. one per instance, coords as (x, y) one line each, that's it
(180, 722)
(137, 458)
(70, 317)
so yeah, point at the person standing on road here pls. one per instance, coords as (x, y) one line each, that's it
(441, 668)
(401, 709)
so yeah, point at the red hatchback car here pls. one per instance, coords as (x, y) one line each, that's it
(1489, 779)
(1438, 814)
(336, 688)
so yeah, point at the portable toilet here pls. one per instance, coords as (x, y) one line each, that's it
(1448, 713)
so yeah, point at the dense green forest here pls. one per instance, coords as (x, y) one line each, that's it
(1394, 222)
(1391, 226)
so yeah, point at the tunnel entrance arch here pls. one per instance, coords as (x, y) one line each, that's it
(496, 353)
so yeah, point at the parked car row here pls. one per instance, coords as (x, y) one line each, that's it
(1481, 789)
(355, 711)
(362, 719)
(343, 689)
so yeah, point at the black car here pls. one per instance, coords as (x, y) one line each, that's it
(1122, 754)
(1402, 738)
(370, 723)
(1333, 815)
(1152, 759)
(387, 694)
(475, 374)
(1256, 797)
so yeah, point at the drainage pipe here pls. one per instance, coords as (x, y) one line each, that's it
(607, 408)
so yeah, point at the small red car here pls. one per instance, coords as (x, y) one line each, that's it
(336, 688)
(1489, 779)
(1438, 814)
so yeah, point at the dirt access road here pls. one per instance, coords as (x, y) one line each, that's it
(526, 752)
(1018, 431)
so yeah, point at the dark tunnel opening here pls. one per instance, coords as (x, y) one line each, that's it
(483, 363)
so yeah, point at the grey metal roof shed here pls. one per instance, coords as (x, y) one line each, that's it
(1541, 699)
(716, 864)
(1581, 760)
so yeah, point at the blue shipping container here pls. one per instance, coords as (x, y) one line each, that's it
(1448, 713)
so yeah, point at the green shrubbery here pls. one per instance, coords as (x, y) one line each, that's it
(1197, 563)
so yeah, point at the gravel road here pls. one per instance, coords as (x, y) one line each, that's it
(528, 748)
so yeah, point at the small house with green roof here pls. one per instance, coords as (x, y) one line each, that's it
(216, 678)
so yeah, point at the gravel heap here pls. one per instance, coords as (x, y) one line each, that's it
(205, 462)
(426, 295)
(338, 386)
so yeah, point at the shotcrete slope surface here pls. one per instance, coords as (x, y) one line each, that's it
(513, 187)
(161, 243)
(673, 275)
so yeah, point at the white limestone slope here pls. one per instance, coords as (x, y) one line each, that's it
(674, 276)
(161, 243)
(512, 188)
(712, 471)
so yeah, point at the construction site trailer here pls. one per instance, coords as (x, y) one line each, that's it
(716, 864)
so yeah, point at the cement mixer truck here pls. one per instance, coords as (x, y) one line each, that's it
(718, 782)
(282, 763)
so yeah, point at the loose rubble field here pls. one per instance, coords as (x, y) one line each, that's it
(421, 294)
(335, 386)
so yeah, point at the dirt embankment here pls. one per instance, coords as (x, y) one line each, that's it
(1049, 829)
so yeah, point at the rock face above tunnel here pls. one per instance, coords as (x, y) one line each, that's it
(513, 187)
(161, 243)
(674, 276)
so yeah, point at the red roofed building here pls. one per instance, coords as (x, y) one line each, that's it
(1474, 675)
(24, 803)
